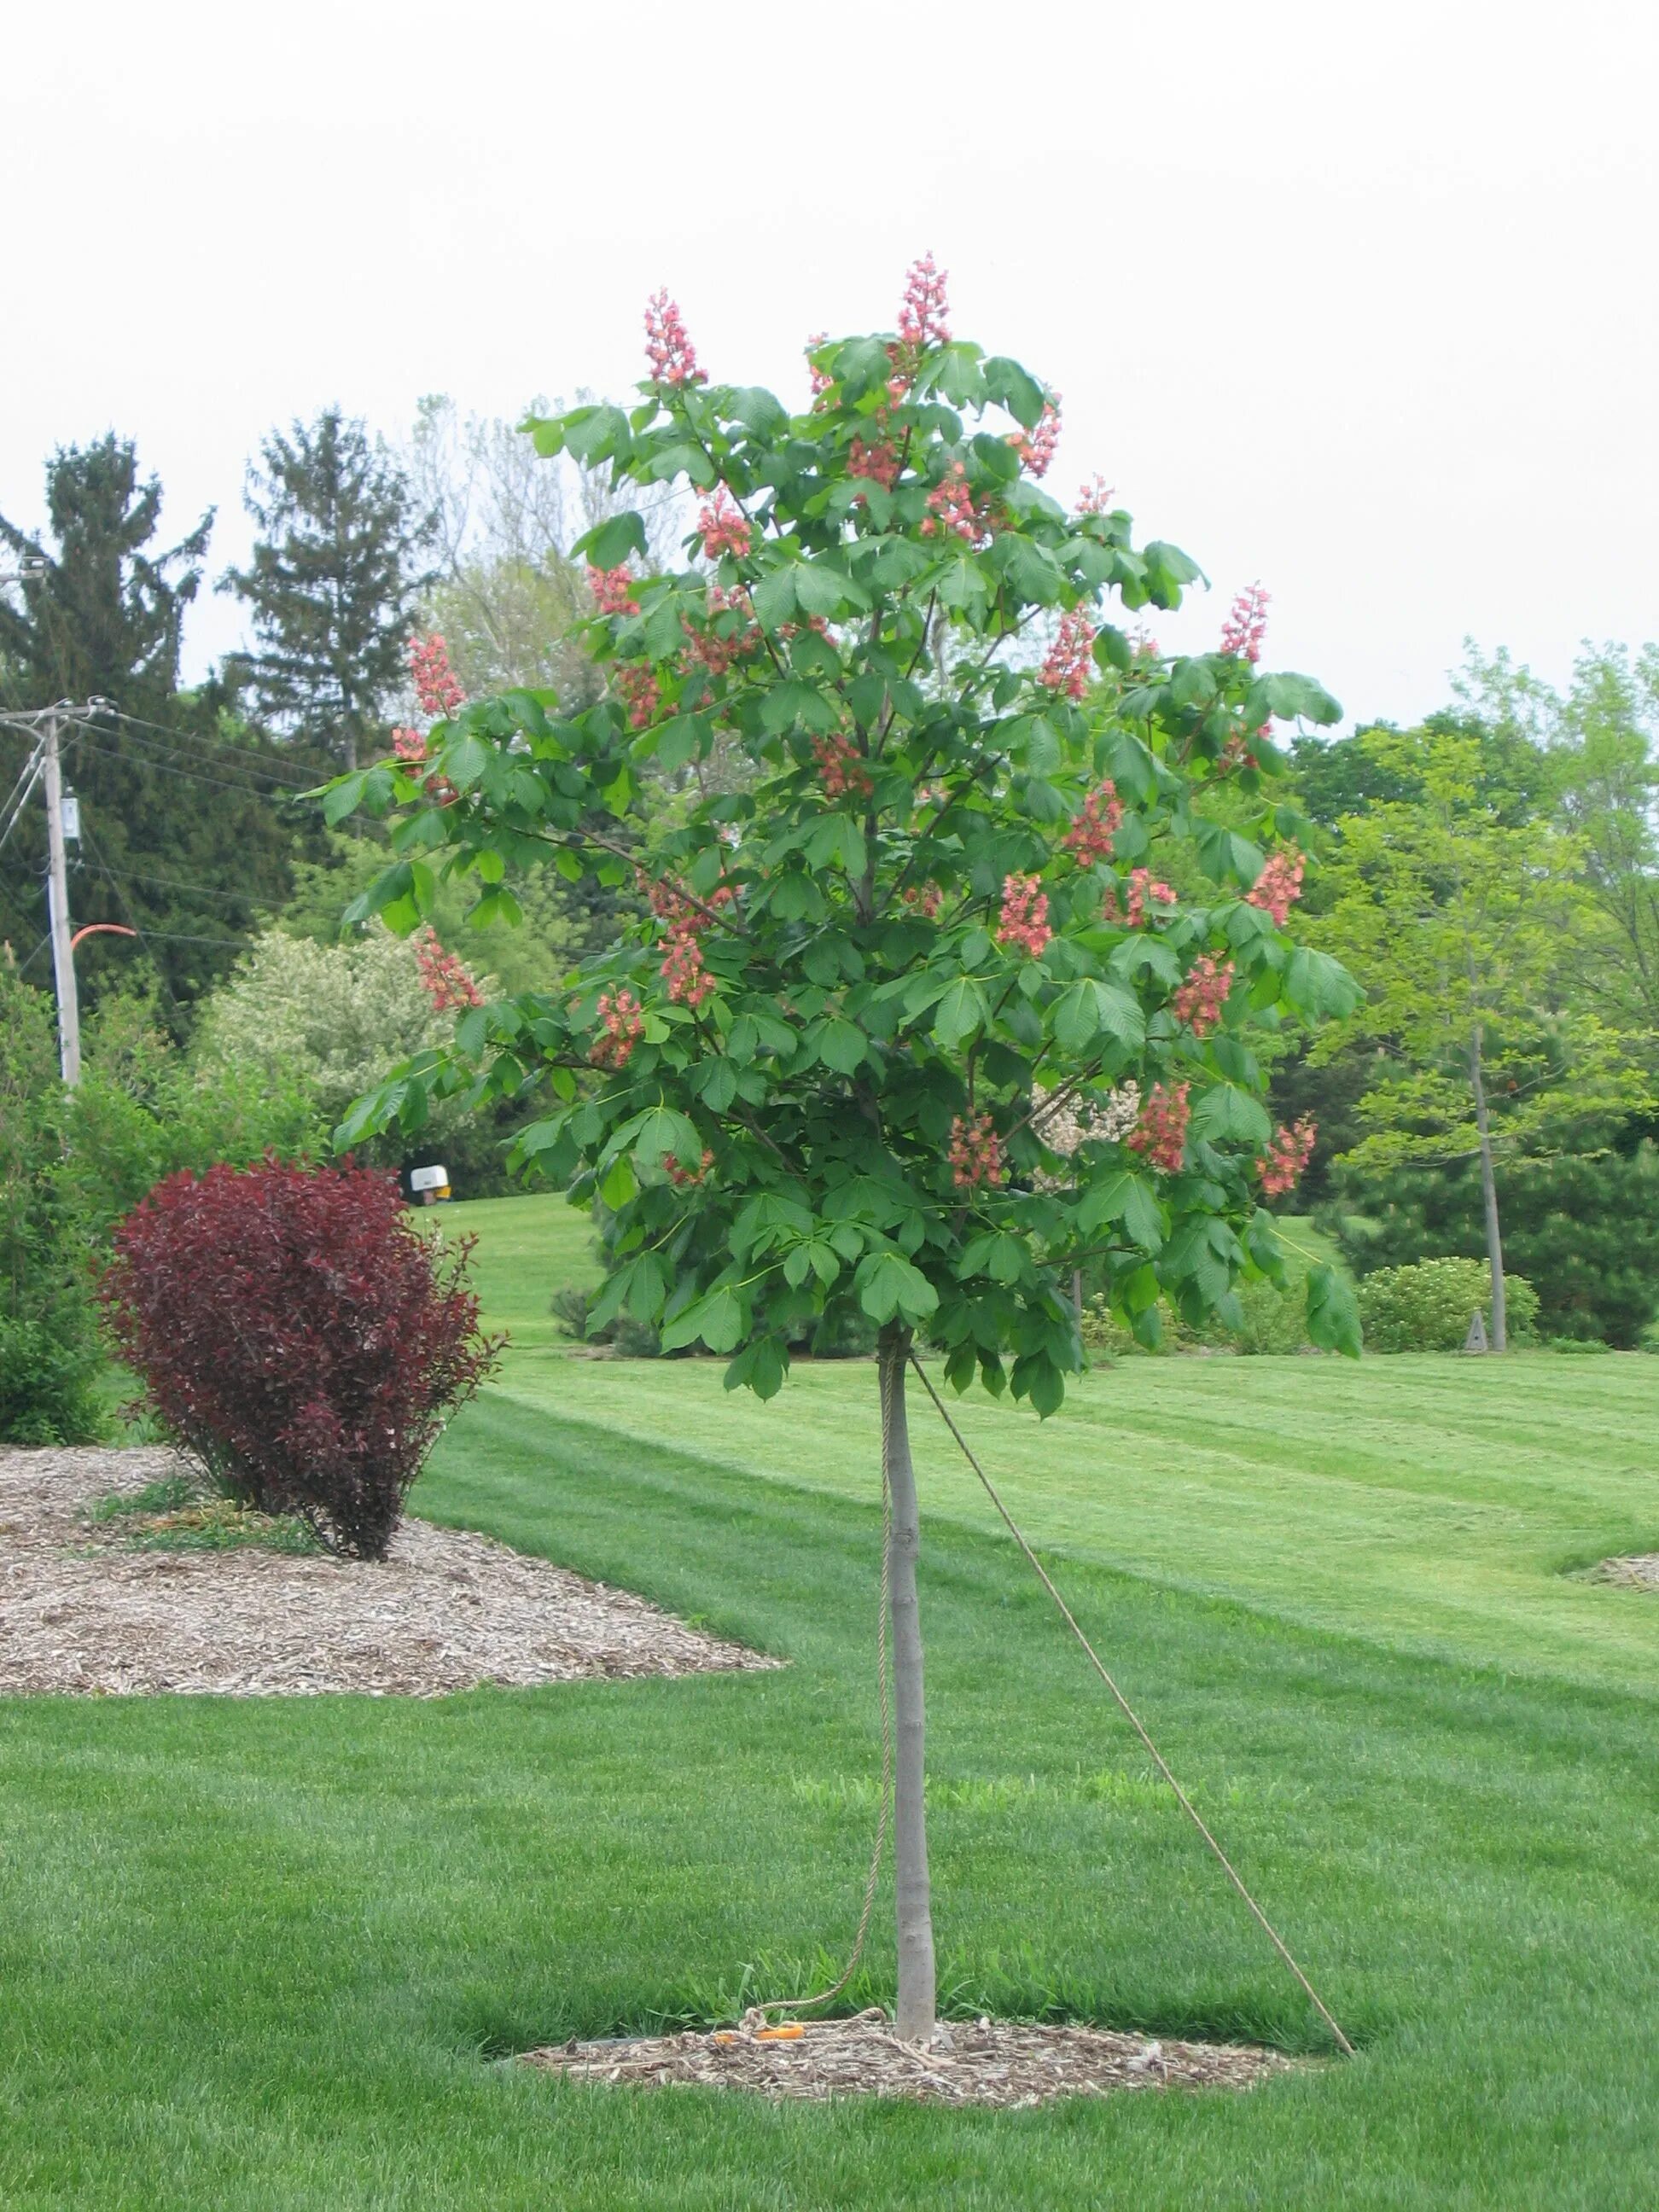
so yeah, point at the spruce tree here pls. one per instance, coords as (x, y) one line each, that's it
(185, 834)
(332, 583)
(101, 619)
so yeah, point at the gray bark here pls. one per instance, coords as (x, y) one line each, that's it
(915, 2016)
(1500, 1341)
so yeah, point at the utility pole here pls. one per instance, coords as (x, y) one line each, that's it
(45, 766)
(63, 954)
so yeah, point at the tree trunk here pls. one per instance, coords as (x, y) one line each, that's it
(1500, 1340)
(914, 1915)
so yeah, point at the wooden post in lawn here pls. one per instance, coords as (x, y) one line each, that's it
(1500, 1334)
(913, 1908)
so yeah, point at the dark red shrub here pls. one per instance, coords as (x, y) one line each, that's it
(300, 1336)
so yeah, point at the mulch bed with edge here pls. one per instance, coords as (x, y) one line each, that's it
(1012, 2064)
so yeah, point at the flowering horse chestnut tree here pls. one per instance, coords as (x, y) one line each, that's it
(828, 1065)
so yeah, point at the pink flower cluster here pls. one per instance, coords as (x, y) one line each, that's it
(1281, 1165)
(1161, 1132)
(1199, 999)
(623, 1025)
(724, 528)
(436, 686)
(1095, 825)
(925, 898)
(681, 1177)
(689, 982)
(879, 462)
(976, 1153)
(1036, 448)
(708, 647)
(1095, 496)
(408, 744)
(1025, 919)
(1238, 752)
(1142, 895)
(668, 348)
(1068, 667)
(612, 590)
(923, 310)
(821, 377)
(639, 691)
(841, 767)
(951, 505)
(683, 914)
(448, 981)
(1247, 623)
(1278, 886)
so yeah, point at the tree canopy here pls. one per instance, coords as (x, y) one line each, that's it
(821, 1066)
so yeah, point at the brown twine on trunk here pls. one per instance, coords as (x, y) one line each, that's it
(884, 1813)
(1131, 1716)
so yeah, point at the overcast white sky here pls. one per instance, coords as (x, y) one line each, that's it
(1359, 300)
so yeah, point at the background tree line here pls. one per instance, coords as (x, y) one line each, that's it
(1493, 879)
(1490, 876)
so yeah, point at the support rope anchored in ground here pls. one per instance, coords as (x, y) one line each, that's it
(884, 1813)
(1131, 1716)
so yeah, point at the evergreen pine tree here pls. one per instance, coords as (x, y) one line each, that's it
(103, 618)
(332, 584)
(184, 832)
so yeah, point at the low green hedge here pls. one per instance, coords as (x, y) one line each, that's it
(1428, 1307)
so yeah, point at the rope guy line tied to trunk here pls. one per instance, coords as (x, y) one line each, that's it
(1131, 1715)
(884, 1813)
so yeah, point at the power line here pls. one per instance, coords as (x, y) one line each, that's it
(20, 790)
(197, 761)
(183, 737)
(196, 890)
(180, 742)
(186, 774)
(173, 937)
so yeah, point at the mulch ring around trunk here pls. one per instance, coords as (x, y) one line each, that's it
(1011, 2063)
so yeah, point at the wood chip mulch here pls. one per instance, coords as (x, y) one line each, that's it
(83, 1611)
(1639, 1571)
(983, 2062)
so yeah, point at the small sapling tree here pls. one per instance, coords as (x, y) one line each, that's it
(820, 1067)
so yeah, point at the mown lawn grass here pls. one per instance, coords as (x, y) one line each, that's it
(264, 1954)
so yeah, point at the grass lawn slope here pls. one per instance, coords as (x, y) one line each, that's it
(264, 1954)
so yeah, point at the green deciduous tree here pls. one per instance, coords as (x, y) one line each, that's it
(324, 1018)
(534, 954)
(1462, 914)
(1604, 745)
(505, 593)
(336, 574)
(817, 1073)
